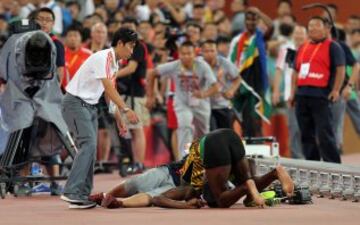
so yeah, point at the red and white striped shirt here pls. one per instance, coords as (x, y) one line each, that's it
(86, 83)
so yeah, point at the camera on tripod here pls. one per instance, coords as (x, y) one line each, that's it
(30, 103)
(38, 58)
(27, 67)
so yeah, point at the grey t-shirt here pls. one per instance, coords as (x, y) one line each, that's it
(200, 77)
(229, 74)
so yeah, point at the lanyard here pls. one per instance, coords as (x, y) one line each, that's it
(313, 53)
(74, 59)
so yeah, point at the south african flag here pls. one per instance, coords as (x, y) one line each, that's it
(249, 55)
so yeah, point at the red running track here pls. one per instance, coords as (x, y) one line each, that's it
(46, 210)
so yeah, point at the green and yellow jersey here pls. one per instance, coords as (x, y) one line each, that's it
(193, 170)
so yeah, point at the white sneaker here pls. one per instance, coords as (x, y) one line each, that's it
(71, 200)
(83, 205)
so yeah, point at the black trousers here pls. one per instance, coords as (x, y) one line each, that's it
(316, 125)
(222, 147)
(221, 118)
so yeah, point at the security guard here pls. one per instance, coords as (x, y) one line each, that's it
(319, 71)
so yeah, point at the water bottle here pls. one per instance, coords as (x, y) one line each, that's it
(36, 169)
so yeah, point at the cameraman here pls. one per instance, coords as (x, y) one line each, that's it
(45, 17)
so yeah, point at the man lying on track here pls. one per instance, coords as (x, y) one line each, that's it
(215, 158)
(138, 191)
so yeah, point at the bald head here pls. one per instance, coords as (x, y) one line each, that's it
(98, 26)
(99, 33)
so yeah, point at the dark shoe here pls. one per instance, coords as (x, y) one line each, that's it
(83, 205)
(110, 202)
(123, 168)
(136, 168)
(23, 190)
(98, 169)
(97, 198)
(72, 199)
(102, 167)
(56, 189)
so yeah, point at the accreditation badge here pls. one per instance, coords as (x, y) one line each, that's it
(304, 70)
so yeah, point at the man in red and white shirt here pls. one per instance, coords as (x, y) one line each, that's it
(93, 78)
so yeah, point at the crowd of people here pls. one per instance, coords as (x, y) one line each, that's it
(119, 60)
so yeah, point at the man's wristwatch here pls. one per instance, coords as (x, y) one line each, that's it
(125, 110)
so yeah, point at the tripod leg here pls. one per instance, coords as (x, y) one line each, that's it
(11, 148)
(68, 142)
(7, 160)
(6, 153)
(16, 152)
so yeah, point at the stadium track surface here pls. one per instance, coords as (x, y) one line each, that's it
(46, 210)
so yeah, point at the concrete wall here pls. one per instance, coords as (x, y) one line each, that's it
(346, 8)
